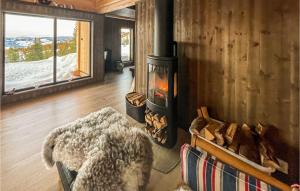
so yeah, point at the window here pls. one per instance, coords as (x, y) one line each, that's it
(126, 44)
(30, 59)
(73, 49)
(28, 51)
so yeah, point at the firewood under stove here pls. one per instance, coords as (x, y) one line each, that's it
(156, 126)
(156, 120)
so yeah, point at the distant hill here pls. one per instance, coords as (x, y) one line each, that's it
(23, 42)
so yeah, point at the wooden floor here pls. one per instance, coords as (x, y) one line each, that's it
(25, 125)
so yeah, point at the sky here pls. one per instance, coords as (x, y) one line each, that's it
(30, 26)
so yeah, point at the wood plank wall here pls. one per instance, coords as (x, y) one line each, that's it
(238, 57)
(144, 41)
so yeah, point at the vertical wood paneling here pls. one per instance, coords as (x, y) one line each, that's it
(144, 41)
(252, 65)
(240, 58)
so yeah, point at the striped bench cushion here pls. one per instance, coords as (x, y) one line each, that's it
(204, 173)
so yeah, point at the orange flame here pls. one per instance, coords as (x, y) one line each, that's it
(161, 84)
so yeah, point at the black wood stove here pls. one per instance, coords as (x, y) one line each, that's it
(162, 78)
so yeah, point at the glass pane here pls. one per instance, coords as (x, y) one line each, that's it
(125, 44)
(73, 49)
(158, 84)
(28, 51)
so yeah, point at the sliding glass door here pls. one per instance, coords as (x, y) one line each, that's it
(30, 60)
(73, 49)
(28, 51)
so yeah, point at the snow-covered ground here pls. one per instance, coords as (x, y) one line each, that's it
(33, 74)
(125, 52)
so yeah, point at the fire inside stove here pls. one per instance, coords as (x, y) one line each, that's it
(158, 85)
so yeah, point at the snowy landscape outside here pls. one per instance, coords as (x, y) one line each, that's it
(125, 52)
(125, 44)
(20, 75)
(29, 60)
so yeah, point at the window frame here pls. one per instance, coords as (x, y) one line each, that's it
(132, 44)
(55, 82)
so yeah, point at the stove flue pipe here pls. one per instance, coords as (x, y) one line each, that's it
(163, 28)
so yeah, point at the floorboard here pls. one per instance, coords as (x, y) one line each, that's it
(24, 126)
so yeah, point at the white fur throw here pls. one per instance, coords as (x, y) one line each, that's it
(104, 149)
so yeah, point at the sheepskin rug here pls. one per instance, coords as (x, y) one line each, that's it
(104, 149)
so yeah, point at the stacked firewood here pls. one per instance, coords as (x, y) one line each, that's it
(136, 99)
(246, 141)
(156, 126)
